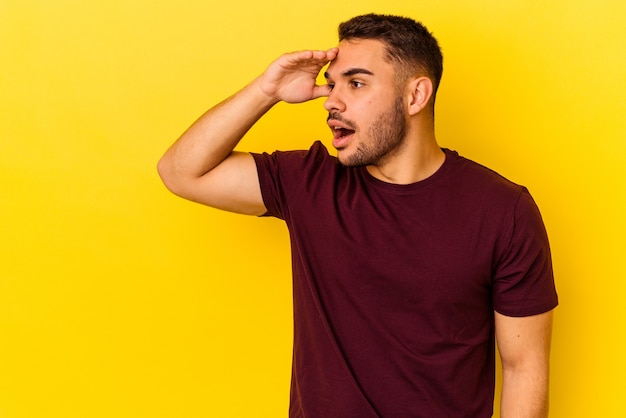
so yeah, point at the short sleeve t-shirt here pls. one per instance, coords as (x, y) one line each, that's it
(395, 285)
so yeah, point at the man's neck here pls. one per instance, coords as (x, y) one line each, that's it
(415, 161)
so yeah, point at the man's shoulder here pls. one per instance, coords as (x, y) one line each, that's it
(471, 172)
(316, 154)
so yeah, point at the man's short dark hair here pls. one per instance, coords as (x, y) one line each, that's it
(407, 42)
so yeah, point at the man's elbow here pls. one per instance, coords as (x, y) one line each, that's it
(170, 179)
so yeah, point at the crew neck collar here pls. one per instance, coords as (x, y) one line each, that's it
(404, 188)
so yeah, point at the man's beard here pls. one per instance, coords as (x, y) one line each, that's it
(385, 138)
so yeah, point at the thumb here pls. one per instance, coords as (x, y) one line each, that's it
(321, 91)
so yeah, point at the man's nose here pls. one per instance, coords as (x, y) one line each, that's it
(334, 102)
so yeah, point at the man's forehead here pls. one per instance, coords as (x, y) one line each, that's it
(357, 56)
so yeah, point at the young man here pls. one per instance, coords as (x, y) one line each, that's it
(409, 261)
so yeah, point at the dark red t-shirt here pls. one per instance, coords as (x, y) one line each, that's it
(395, 285)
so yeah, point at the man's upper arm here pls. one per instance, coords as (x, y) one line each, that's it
(524, 342)
(233, 186)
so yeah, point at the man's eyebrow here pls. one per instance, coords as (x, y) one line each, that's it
(351, 72)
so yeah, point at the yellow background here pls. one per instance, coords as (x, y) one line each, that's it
(118, 299)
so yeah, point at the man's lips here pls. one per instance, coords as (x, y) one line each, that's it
(342, 131)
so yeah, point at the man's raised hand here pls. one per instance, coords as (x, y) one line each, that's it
(292, 77)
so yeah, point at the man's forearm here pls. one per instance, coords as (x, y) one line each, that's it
(524, 394)
(213, 136)
(201, 165)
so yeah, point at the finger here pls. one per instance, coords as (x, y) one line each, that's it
(313, 55)
(326, 56)
(332, 53)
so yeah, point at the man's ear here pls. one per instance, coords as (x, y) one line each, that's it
(419, 94)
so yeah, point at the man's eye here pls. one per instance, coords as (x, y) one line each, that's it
(356, 84)
(331, 85)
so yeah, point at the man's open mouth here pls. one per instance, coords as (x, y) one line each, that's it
(341, 136)
(339, 132)
(342, 130)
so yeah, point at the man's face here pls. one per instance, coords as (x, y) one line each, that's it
(365, 107)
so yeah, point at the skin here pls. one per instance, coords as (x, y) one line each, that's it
(396, 147)
(385, 133)
(524, 347)
(378, 134)
(363, 94)
(201, 165)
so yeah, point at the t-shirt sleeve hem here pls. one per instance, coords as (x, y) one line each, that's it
(264, 183)
(527, 310)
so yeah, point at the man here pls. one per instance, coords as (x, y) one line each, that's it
(409, 261)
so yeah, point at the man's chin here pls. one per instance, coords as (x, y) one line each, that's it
(349, 159)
